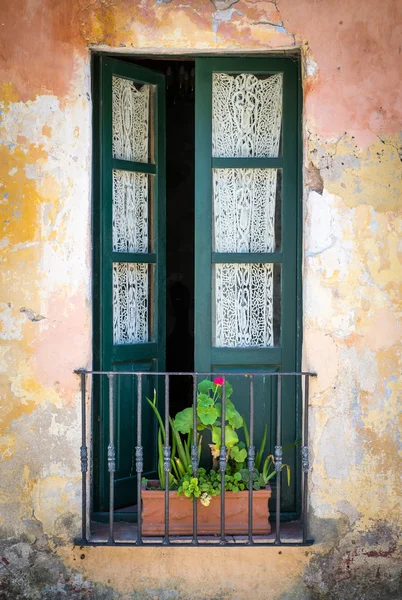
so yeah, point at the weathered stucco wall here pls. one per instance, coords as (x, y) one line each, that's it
(352, 293)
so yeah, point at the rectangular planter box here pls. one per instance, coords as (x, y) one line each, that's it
(208, 522)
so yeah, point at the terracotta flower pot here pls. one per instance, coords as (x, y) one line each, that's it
(208, 523)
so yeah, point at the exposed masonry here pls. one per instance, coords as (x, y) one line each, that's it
(314, 181)
(31, 315)
(224, 4)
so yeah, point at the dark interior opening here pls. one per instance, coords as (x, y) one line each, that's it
(180, 146)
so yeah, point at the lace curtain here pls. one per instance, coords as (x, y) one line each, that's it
(243, 304)
(130, 120)
(244, 210)
(130, 303)
(247, 117)
(130, 212)
(130, 141)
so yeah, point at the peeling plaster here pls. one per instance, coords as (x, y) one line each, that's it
(31, 315)
(223, 16)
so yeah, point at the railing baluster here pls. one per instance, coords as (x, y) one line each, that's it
(194, 458)
(222, 463)
(84, 457)
(278, 459)
(111, 458)
(250, 463)
(305, 457)
(166, 461)
(139, 463)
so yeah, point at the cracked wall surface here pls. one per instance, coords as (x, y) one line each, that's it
(352, 290)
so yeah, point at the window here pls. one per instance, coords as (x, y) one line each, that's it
(242, 300)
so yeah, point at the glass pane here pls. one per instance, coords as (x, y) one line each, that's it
(246, 115)
(130, 303)
(130, 211)
(131, 114)
(247, 210)
(246, 306)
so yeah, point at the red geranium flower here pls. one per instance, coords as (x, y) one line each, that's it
(219, 381)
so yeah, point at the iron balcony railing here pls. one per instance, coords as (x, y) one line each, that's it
(303, 379)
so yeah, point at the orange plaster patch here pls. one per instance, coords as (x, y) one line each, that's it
(18, 211)
(13, 409)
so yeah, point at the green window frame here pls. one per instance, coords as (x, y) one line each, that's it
(287, 355)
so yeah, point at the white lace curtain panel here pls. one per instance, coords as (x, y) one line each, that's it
(246, 122)
(130, 303)
(247, 116)
(130, 120)
(130, 141)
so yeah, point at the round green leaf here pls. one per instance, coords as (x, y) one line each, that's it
(184, 420)
(207, 415)
(216, 435)
(236, 420)
(204, 386)
(231, 437)
(204, 400)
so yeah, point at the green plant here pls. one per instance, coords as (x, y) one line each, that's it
(269, 470)
(161, 440)
(202, 486)
(209, 418)
(180, 459)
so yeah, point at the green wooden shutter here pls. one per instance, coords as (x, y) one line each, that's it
(217, 173)
(129, 261)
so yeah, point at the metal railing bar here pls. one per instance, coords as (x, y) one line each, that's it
(127, 543)
(250, 463)
(139, 464)
(84, 457)
(222, 463)
(111, 456)
(278, 460)
(166, 461)
(201, 373)
(305, 458)
(194, 459)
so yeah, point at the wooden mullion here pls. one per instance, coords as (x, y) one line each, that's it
(247, 163)
(251, 257)
(251, 356)
(203, 215)
(262, 65)
(133, 352)
(133, 257)
(136, 167)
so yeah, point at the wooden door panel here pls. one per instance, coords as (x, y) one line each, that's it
(129, 263)
(247, 211)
